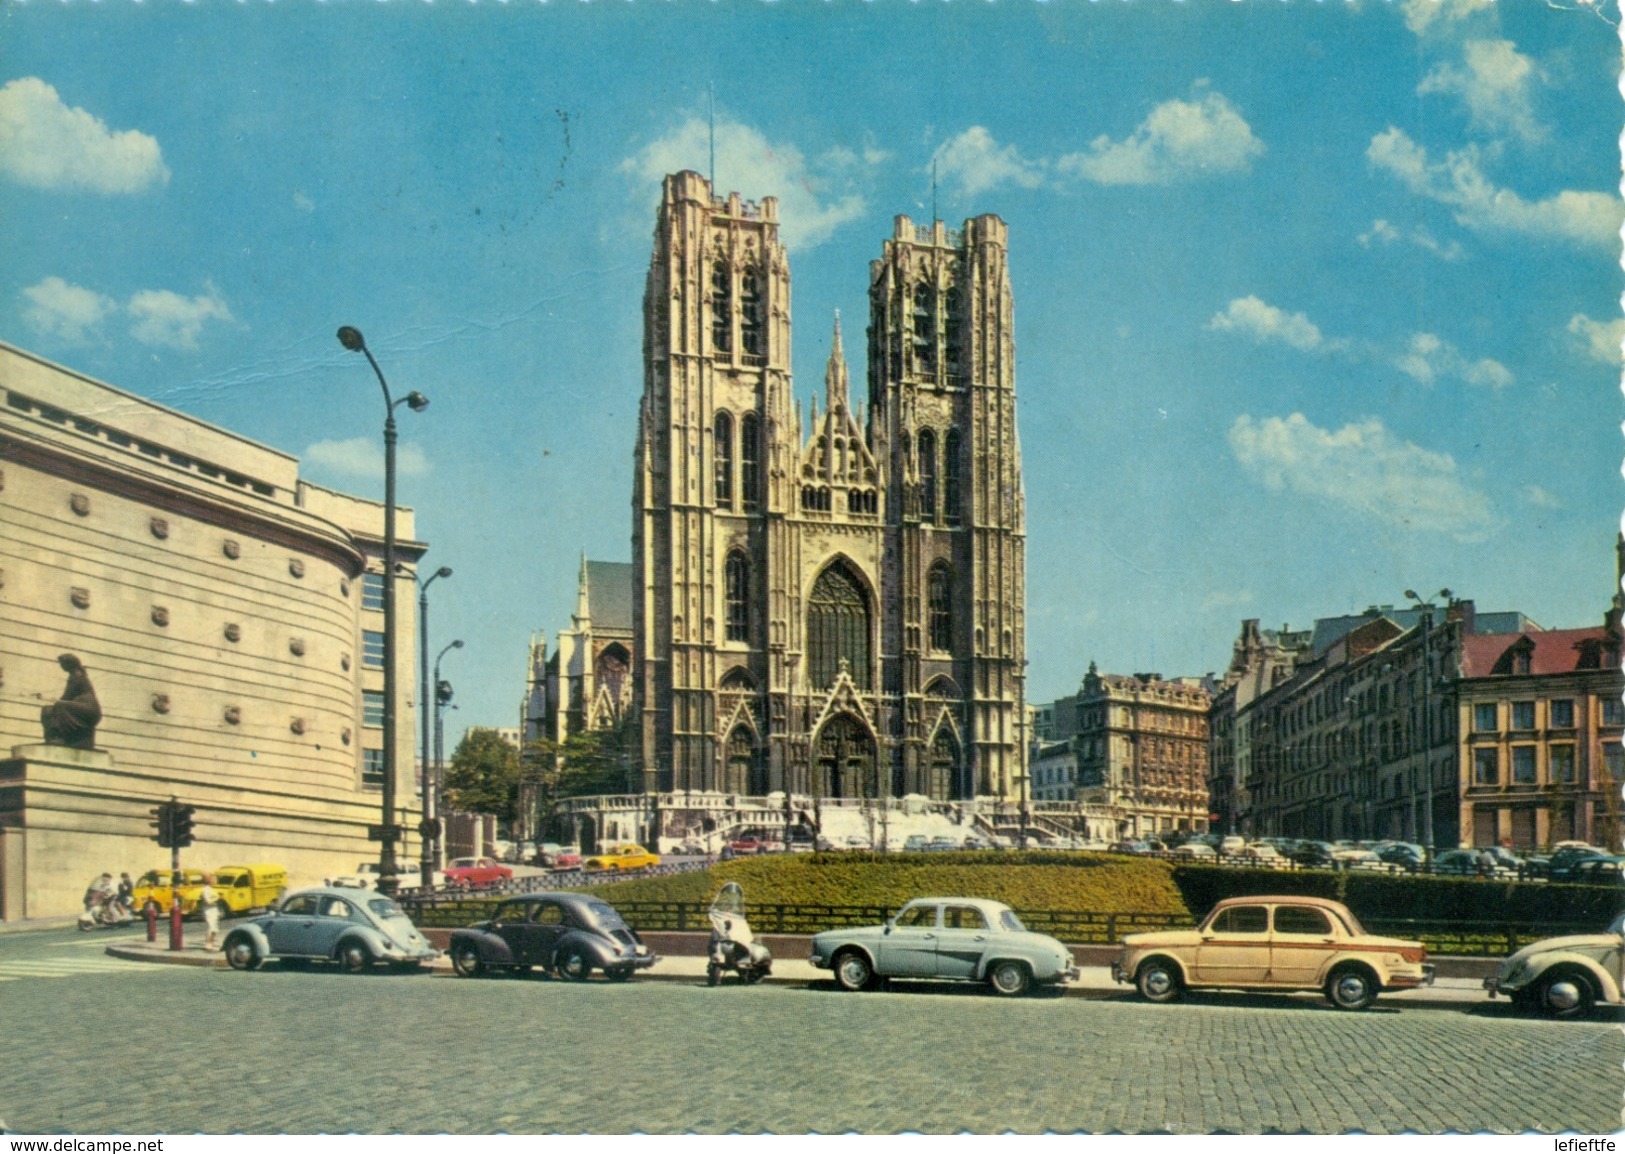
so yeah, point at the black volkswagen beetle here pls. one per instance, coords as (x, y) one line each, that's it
(573, 934)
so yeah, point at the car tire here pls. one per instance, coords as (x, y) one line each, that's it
(354, 958)
(1009, 979)
(467, 963)
(573, 964)
(1351, 988)
(853, 971)
(1564, 994)
(1159, 981)
(241, 954)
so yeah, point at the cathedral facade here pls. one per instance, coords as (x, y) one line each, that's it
(830, 603)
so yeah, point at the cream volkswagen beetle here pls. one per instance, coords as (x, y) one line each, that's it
(1565, 977)
(1274, 943)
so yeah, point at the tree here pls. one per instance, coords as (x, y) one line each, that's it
(484, 775)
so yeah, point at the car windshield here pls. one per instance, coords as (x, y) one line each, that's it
(605, 915)
(384, 908)
(1009, 921)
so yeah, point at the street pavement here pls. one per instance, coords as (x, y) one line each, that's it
(142, 1048)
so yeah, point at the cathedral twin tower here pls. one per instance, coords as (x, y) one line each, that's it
(833, 607)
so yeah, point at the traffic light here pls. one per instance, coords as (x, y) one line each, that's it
(182, 825)
(163, 824)
(442, 692)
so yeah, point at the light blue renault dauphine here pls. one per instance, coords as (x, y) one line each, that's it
(953, 939)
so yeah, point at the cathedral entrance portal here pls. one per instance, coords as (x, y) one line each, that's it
(943, 774)
(846, 759)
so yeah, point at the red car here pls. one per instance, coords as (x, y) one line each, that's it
(748, 845)
(476, 872)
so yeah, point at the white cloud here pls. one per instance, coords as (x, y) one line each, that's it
(1422, 16)
(66, 311)
(171, 320)
(976, 163)
(1600, 340)
(1427, 358)
(1262, 322)
(1181, 138)
(1381, 232)
(1219, 599)
(1364, 467)
(746, 160)
(45, 144)
(364, 457)
(1494, 84)
(1457, 181)
(1541, 498)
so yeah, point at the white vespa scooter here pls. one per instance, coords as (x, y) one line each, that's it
(733, 946)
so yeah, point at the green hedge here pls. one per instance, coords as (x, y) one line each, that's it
(1402, 896)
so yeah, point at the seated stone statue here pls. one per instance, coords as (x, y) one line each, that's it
(72, 720)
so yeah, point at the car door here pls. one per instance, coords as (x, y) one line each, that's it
(511, 923)
(908, 947)
(290, 933)
(1235, 948)
(547, 926)
(961, 941)
(334, 915)
(1302, 939)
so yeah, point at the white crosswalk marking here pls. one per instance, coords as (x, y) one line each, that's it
(67, 967)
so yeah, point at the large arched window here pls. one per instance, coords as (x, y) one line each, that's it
(736, 579)
(939, 612)
(750, 472)
(950, 477)
(751, 326)
(722, 441)
(837, 628)
(722, 307)
(925, 328)
(928, 475)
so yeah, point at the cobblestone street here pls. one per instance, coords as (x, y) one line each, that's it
(215, 1050)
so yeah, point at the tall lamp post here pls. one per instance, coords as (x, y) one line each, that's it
(351, 338)
(429, 832)
(442, 698)
(1427, 608)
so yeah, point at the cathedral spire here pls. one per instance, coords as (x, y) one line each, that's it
(582, 612)
(835, 380)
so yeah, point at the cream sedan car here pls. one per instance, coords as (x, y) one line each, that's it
(1274, 943)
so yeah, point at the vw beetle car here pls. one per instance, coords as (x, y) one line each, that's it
(957, 939)
(1273, 943)
(354, 928)
(1565, 977)
(571, 933)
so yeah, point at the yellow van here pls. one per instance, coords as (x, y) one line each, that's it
(249, 887)
(155, 884)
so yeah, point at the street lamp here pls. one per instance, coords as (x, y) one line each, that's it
(442, 698)
(429, 832)
(351, 338)
(1427, 608)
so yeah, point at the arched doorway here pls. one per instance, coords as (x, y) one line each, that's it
(942, 768)
(845, 764)
(744, 772)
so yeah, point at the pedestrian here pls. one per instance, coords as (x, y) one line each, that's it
(1486, 863)
(126, 893)
(209, 902)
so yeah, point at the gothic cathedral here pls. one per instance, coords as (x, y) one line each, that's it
(836, 606)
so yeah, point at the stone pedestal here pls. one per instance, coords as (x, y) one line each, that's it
(31, 886)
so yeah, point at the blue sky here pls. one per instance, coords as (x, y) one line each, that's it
(1315, 301)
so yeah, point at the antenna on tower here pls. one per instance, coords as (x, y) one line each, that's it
(711, 117)
(934, 217)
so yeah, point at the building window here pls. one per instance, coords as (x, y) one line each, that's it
(372, 707)
(722, 444)
(736, 579)
(1613, 761)
(750, 473)
(928, 476)
(1613, 711)
(951, 330)
(925, 329)
(372, 767)
(950, 477)
(1484, 717)
(751, 327)
(372, 592)
(1523, 715)
(939, 599)
(1520, 663)
(1487, 766)
(1562, 764)
(1562, 713)
(721, 308)
(372, 649)
(1523, 765)
(837, 628)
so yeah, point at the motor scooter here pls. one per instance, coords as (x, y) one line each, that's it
(733, 946)
(105, 914)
